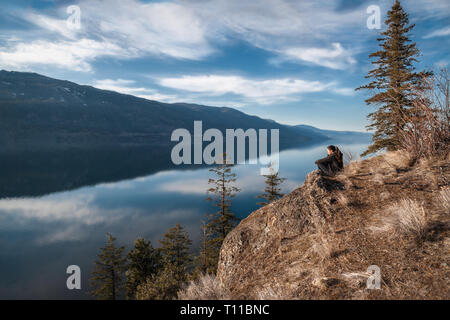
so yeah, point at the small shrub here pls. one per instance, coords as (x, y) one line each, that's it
(163, 286)
(398, 159)
(427, 130)
(206, 287)
(407, 217)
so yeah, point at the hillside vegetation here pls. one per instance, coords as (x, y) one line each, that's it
(318, 241)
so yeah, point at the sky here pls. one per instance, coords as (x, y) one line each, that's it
(296, 62)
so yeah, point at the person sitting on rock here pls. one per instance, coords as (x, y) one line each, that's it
(328, 166)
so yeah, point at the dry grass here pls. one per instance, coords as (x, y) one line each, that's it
(206, 287)
(378, 178)
(322, 241)
(356, 279)
(397, 159)
(406, 217)
(342, 199)
(326, 256)
(351, 169)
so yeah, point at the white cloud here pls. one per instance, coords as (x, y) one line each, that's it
(313, 32)
(160, 28)
(189, 186)
(74, 55)
(188, 29)
(51, 24)
(275, 24)
(76, 208)
(261, 91)
(58, 218)
(127, 87)
(343, 91)
(123, 29)
(439, 33)
(335, 58)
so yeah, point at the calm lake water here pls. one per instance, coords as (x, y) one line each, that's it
(41, 235)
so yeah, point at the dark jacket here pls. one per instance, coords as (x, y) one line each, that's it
(332, 161)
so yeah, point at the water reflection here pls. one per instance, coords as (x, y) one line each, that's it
(41, 236)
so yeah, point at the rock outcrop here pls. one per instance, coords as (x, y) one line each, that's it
(318, 241)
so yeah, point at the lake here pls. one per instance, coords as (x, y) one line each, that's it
(56, 208)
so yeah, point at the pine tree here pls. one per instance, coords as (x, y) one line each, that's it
(175, 250)
(143, 262)
(107, 279)
(272, 191)
(206, 261)
(175, 270)
(223, 221)
(393, 81)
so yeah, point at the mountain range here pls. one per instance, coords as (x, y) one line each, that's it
(57, 135)
(42, 112)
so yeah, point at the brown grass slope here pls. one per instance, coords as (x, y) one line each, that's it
(318, 241)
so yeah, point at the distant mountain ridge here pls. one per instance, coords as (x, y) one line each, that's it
(36, 110)
(56, 135)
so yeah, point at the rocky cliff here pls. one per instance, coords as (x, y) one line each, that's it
(318, 241)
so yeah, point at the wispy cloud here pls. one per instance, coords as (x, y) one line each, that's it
(189, 186)
(51, 24)
(58, 218)
(190, 29)
(74, 55)
(335, 58)
(129, 87)
(161, 28)
(438, 33)
(305, 31)
(426, 9)
(123, 29)
(264, 91)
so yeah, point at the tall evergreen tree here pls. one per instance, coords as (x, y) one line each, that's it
(224, 220)
(206, 261)
(107, 280)
(143, 262)
(175, 247)
(272, 191)
(392, 81)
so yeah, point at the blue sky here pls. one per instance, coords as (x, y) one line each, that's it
(296, 62)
